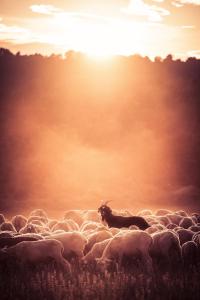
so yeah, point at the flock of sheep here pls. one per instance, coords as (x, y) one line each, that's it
(81, 238)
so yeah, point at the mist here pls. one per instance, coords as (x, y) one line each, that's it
(75, 131)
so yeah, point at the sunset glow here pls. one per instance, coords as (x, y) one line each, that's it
(102, 28)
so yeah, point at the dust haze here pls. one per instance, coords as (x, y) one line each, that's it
(76, 130)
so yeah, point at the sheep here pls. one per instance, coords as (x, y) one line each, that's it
(133, 227)
(96, 251)
(41, 229)
(197, 216)
(75, 215)
(126, 213)
(37, 236)
(196, 239)
(29, 228)
(174, 218)
(11, 241)
(6, 233)
(51, 223)
(7, 226)
(162, 212)
(145, 212)
(171, 226)
(159, 226)
(2, 219)
(163, 220)
(33, 228)
(189, 253)
(91, 215)
(39, 213)
(87, 233)
(129, 245)
(63, 225)
(89, 225)
(186, 222)
(184, 235)
(152, 229)
(34, 219)
(95, 238)
(177, 228)
(119, 221)
(194, 228)
(35, 252)
(194, 219)
(165, 249)
(73, 243)
(181, 213)
(18, 222)
(73, 225)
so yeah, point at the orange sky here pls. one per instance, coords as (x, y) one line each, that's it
(102, 28)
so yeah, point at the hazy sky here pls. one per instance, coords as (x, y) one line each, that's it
(150, 27)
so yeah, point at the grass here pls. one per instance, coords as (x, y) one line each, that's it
(47, 282)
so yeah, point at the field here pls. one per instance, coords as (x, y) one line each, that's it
(49, 283)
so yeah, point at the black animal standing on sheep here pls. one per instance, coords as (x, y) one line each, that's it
(120, 221)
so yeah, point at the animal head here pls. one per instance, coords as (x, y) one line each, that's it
(104, 210)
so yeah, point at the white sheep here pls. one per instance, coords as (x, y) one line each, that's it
(73, 243)
(165, 249)
(194, 228)
(186, 222)
(197, 217)
(190, 253)
(163, 220)
(74, 215)
(174, 218)
(28, 228)
(73, 225)
(181, 213)
(196, 239)
(51, 223)
(35, 252)
(92, 215)
(34, 219)
(61, 225)
(19, 222)
(131, 245)
(87, 225)
(96, 237)
(133, 227)
(152, 229)
(6, 234)
(7, 226)
(184, 235)
(162, 212)
(145, 212)
(39, 213)
(114, 230)
(171, 226)
(96, 251)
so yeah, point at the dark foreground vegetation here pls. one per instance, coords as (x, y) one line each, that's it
(49, 283)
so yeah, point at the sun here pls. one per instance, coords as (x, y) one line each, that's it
(98, 52)
(100, 39)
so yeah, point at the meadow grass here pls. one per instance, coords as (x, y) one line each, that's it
(47, 282)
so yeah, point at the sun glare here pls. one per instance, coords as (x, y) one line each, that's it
(100, 38)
